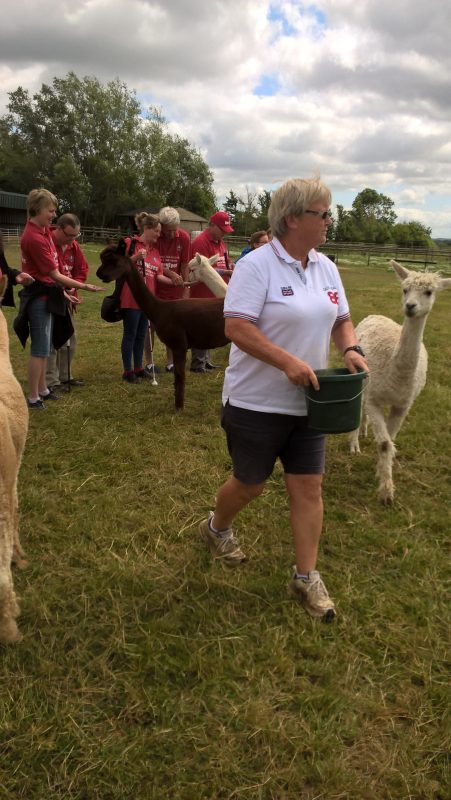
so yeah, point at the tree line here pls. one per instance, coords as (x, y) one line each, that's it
(96, 149)
(372, 219)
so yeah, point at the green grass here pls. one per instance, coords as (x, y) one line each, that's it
(147, 672)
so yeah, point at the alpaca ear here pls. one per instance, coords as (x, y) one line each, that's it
(213, 259)
(401, 271)
(198, 258)
(445, 283)
(121, 248)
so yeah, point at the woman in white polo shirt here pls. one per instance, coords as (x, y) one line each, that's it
(284, 303)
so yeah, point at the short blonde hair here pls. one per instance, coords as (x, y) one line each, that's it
(38, 199)
(292, 199)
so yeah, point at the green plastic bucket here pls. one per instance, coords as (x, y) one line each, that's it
(336, 407)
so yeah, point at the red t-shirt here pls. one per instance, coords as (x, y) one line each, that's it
(39, 254)
(206, 246)
(149, 268)
(173, 253)
(72, 261)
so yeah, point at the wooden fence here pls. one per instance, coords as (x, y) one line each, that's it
(439, 258)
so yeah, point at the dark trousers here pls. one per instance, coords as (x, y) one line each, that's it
(132, 346)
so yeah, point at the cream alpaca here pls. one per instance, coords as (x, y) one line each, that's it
(201, 269)
(397, 359)
(13, 432)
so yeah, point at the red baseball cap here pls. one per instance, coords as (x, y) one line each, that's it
(222, 220)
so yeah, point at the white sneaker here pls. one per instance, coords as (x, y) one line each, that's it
(223, 547)
(313, 595)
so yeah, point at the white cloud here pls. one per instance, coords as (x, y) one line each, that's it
(363, 98)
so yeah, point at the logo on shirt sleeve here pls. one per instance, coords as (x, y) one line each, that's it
(286, 291)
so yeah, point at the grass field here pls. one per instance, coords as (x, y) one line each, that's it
(146, 672)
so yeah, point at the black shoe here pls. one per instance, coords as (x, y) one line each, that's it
(130, 377)
(144, 374)
(149, 369)
(73, 382)
(169, 367)
(50, 396)
(35, 405)
(209, 366)
(198, 369)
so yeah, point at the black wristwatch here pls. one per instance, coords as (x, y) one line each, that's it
(356, 348)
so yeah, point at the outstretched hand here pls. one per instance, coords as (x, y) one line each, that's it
(91, 287)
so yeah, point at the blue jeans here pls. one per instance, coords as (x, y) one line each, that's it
(41, 327)
(135, 329)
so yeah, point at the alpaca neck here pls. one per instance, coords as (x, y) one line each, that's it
(147, 302)
(407, 353)
(214, 282)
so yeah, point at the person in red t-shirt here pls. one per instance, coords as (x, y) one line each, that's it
(72, 263)
(174, 247)
(147, 260)
(40, 260)
(209, 243)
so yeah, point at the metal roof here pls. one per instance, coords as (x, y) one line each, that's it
(12, 200)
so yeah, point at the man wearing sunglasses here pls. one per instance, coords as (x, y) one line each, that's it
(72, 263)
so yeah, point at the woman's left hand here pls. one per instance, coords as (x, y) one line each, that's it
(354, 362)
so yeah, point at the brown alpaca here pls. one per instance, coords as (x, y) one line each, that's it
(180, 324)
(13, 432)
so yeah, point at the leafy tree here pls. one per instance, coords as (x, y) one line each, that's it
(264, 201)
(230, 205)
(345, 226)
(90, 144)
(370, 204)
(413, 234)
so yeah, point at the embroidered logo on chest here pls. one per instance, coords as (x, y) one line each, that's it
(287, 291)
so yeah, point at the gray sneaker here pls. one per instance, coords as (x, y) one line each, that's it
(223, 547)
(313, 595)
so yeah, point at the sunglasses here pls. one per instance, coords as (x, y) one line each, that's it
(322, 214)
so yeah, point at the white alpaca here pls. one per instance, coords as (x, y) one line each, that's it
(13, 432)
(397, 359)
(201, 269)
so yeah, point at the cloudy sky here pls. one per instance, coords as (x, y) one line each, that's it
(359, 91)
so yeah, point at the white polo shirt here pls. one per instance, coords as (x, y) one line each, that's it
(295, 309)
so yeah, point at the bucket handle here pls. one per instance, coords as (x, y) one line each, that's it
(330, 402)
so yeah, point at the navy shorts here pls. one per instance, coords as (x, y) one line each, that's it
(41, 327)
(255, 441)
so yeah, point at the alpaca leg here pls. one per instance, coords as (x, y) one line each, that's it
(386, 454)
(384, 470)
(354, 441)
(9, 609)
(395, 419)
(19, 557)
(363, 428)
(179, 378)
